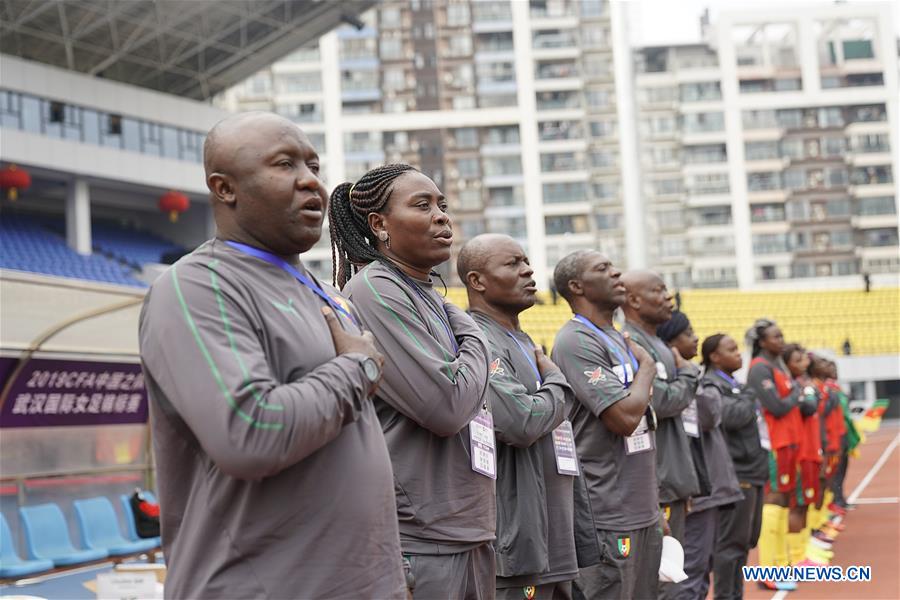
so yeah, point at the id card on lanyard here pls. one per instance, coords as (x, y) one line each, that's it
(563, 437)
(689, 419)
(639, 440)
(482, 444)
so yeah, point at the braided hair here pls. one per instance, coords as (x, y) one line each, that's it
(755, 334)
(710, 345)
(353, 243)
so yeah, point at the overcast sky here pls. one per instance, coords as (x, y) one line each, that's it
(661, 22)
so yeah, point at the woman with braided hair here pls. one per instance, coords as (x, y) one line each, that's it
(772, 385)
(389, 230)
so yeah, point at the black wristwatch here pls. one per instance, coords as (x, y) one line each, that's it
(371, 369)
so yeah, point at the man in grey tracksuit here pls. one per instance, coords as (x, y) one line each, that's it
(649, 305)
(273, 473)
(530, 398)
(620, 552)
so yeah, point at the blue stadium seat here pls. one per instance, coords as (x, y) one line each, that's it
(33, 243)
(125, 500)
(47, 537)
(10, 563)
(100, 528)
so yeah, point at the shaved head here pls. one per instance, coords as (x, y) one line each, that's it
(640, 279)
(474, 253)
(648, 301)
(225, 141)
(263, 178)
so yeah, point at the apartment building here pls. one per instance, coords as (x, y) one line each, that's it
(510, 106)
(769, 153)
(764, 154)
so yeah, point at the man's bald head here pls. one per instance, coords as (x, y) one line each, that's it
(226, 138)
(640, 279)
(647, 299)
(263, 178)
(498, 278)
(475, 252)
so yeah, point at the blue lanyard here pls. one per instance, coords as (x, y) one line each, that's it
(281, 263)
(612, 346)
(735, 386)
(529, 357)
(430, 303)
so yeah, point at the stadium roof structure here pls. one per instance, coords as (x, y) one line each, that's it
(188, 48)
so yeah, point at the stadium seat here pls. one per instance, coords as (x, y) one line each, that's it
(99, 527)
(10, 563)
(47, 537)
(818, 319)
(33, 243)
(125, 500)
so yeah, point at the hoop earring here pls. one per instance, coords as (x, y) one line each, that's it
(384, 237)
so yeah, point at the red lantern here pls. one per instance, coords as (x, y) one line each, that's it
(14, 179)
(174, 203)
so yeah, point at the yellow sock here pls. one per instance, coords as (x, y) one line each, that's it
(829, 498)
(772, 543)
(813, 517)
(796, 543)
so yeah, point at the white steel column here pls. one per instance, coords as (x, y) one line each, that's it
(737, 174)
(78, 216)
(335, 169)
(528, 136)
(632, 201)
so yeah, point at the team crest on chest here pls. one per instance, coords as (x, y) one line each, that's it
(595, 376)
(528, 592)
(624, 546)
(496, 369)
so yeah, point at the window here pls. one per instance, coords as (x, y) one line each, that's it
(555, 69)
(502, 135)
(712, 215)
(770, 243)
(597, 98)
(663, 187)
(757, 182)
(712, 153)
(564, 192)
(469, 199)
(558, 100)
(560, 130)
(603, 128)
(871, 175)
(391, 48)
(880, 205)
(505, 196)
(759, 119)
(669, 219)
(466, 137)
(457, 14)
(766, 213)
(459, 45)
(606, 221)
(488, 12)
(562, 161)
(299, 82)
(700, 92)
(513, 227)
(880, 237)
(468, 168)
(390, 17)
(704, 122)
(502, 165)
(871, 142)
(566, 224)
(658, 125)
(708, 183)
(671, 247)
(602, 191)
(761, 150)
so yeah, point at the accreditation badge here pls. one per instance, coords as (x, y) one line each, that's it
(564, 449)
(482, 444)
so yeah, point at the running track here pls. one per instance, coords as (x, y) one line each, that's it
(872, 536)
